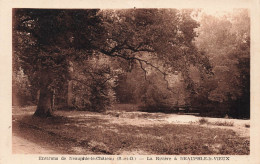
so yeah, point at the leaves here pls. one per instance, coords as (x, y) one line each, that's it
(157, 40)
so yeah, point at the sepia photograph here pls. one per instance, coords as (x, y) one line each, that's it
(136, 81)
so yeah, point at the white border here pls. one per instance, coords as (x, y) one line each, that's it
(6, 62)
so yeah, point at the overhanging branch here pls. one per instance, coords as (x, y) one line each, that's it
(141, 61)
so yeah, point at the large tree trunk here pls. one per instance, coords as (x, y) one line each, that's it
(44, 106)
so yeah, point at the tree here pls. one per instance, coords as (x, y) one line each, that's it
(46, 41)
(22, 95)
(93, 83)
(225, 40)
(241, 28)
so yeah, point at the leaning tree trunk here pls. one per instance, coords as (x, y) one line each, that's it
(44, 106)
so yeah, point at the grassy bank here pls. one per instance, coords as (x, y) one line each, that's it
(108, 134)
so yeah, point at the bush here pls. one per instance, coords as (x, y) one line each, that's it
(203, 121)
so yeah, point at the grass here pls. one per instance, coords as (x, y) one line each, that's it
(223, 123)
(218, 123)
(102, 135)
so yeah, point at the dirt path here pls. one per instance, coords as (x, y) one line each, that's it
(30, 140)
(237, 125)
(24, 146)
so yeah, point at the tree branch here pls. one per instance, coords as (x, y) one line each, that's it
(141, 65)
(111, 54)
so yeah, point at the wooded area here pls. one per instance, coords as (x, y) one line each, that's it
(159, 59)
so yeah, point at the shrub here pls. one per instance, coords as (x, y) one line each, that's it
(225, 123)
(203, 121)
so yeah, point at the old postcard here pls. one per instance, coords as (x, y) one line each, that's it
(130, 81)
